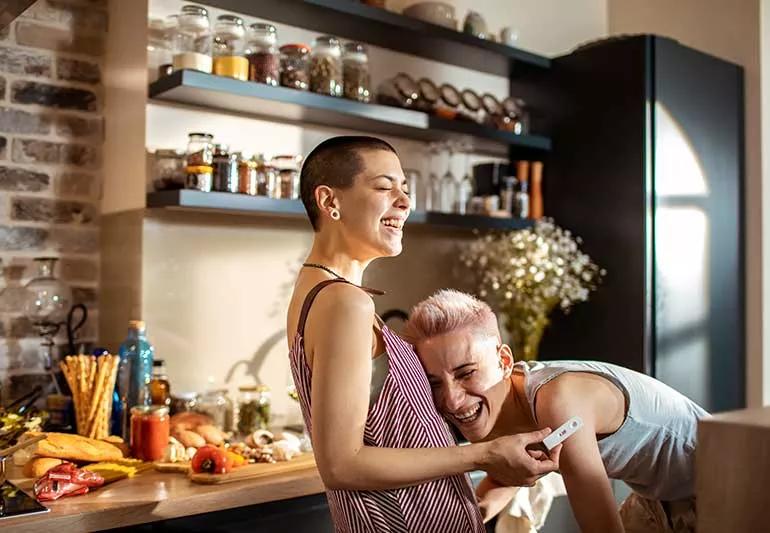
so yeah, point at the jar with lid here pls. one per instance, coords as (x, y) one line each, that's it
(192, 40)
(355, 72)
(199, 178)
(229, 47)
(184, 402)
(267, 180)
(449, 102)
(168, 169)
(262, 53)
(326, 66)
(160, 390)
(287, 167)
(253, 409)
(150, 428)
(295, 66)
(429, 95)
(399, 91)
(200, 149)
(471, 106)
(248, 180)
(214, 404)
(493, 111)
(160, 47)
(225, 165)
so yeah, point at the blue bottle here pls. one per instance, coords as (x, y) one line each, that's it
(135, 372)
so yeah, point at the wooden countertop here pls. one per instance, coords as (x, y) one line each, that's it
(152, 496)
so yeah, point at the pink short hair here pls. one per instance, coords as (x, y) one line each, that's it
(449, 310)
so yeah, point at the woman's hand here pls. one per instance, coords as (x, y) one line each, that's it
(493, 498)
(510, 463)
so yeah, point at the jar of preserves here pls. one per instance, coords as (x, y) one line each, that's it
(253, 408)
(294, 66)
(149, 432)
(225, 169)
(192, 40)
(262, 53)
(199, 178)
(214, 404)
(326, 66)
(287, 168)
(229, 47)
(248, 179)
(356, 81)
(200, 149)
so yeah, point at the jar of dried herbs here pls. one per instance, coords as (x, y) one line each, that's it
(355, 72)
(326, 66)
(253, 408)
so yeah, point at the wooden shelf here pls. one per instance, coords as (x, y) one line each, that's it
(281, 104)
(269, 207)
(354, 20)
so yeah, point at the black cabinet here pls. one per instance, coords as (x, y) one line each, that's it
(648, 168)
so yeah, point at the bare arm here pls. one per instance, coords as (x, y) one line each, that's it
(340, 333)
(588, 487)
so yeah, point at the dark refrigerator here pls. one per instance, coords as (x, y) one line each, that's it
(647, 168)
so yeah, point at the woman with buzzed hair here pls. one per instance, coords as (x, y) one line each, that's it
(387, 458)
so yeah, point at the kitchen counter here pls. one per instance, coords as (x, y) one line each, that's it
(153, 496)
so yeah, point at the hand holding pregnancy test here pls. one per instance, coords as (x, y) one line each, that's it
(555, 438)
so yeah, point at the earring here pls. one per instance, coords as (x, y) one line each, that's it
(335, 214)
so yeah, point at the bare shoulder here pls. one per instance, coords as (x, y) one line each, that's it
(344, 299)
(562, 398)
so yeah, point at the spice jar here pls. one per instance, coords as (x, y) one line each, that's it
(247, 176)
(192, 40)
(449, 101)
(294, 66)
(149, 432)
(262, 53)
(287, 167)
(493, 111)
(253, 408)
(399, 91)
(429, 95)
(199, 149)
(214, 404)
(160, 46)
(355, 72)
(267, 181)
(229, 46)
(199, 178)
(471, 106)
(225, 177)
(326, 66)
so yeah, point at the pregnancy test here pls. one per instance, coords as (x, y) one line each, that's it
(563, 432)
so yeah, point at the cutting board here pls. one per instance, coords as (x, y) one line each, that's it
(304, 461)
(173, 468)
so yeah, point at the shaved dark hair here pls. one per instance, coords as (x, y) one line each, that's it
(334, 163)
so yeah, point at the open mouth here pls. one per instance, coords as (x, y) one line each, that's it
(468, 416)
(393, 223)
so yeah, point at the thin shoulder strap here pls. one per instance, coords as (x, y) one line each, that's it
(309, 301)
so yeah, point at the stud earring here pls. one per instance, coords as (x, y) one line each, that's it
(335, 214)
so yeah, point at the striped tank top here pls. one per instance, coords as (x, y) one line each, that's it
(403, 416)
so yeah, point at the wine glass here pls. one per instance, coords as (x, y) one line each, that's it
(447, 190)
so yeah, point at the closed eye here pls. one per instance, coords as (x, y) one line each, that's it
(468, 374)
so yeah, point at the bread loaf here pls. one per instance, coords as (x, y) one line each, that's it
(37, 466)
(76, 448)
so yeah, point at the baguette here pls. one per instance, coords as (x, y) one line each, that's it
(76, 448)
(38, 466)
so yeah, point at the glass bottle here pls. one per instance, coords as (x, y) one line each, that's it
(413, 180)
(463, 194)
(192, 40)
(294, 66)
(262, 53)
(229, 47)
(356, 81)
(160, 389)
(448, 187)
(253, 409)
(134, 371)
(326, 66)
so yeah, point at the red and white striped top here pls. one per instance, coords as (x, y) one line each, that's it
(402, 417)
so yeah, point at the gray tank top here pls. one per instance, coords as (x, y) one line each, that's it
(653, 451)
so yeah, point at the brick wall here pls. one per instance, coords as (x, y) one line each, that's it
(51, 131)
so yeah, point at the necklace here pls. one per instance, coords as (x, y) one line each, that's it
(327, 269)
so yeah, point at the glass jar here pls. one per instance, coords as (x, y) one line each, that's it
(429, 95)
(229, 47)
(168, 169)
(471, 106)
(229, 411)
(199, 178)
(192, 40)
(253, 409)
(184, 402)
(326, 66)
(267, 181)
(200, 149)
(225, 177)
(294, 66)
(160, 47)
(214, 404)
(449, 101)
(493, 111)
(248, 179)
(262, 53)
(287, 167)
(160, 390)
(149, 432)
(356, 81)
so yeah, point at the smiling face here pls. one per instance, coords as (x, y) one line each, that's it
(467, 378)
(374, 209)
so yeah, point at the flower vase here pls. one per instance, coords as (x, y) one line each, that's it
(525, 338)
